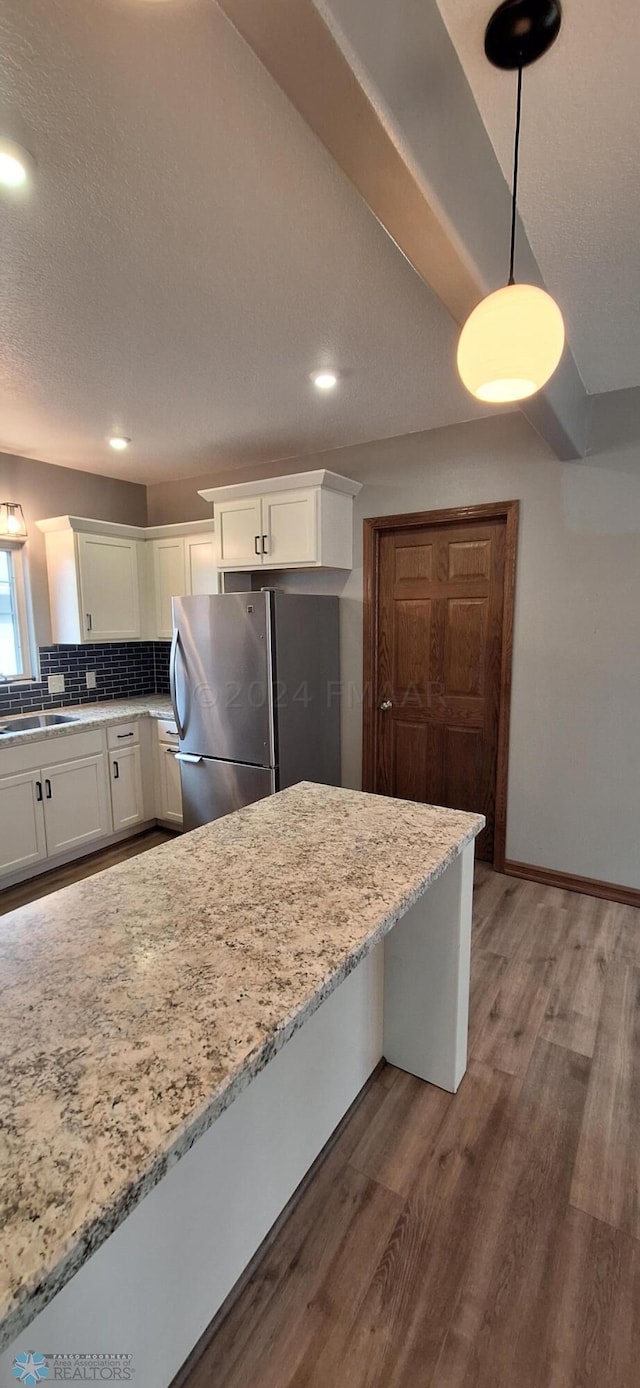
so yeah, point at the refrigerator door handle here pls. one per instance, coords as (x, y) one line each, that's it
(187, 756)
(175, 641)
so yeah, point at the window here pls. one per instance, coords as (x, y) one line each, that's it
(15, 644)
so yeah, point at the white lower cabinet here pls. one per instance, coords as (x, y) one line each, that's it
(170, 807)
(127, 801)
(22, 836)
(76, 804)
(59, 796)
(52, 810)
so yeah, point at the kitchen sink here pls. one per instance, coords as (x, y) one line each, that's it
(36, 720)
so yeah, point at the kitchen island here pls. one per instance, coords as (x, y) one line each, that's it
(221, 999)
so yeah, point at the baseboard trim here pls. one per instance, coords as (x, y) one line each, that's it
(588, 886)
(49, 866)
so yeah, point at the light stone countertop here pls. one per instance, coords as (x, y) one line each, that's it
(87, 716)
(138, 1003)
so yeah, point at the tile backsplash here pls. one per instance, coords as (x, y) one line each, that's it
(123, 670)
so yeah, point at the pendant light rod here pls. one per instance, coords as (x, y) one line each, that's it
(514, 194)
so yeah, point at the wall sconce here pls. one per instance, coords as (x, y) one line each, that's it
(12, 521)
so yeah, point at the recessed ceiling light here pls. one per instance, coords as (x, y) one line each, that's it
(325, 380)
(119, 442)
(14, 164)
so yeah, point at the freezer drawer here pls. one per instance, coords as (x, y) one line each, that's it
(211, 789)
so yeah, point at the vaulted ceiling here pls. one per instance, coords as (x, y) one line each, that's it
(189, 250)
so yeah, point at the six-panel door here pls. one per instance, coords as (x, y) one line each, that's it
(439, 666)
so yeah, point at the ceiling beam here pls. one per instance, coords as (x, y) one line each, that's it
(397, 115)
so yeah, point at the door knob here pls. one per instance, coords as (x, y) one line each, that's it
(386, 704)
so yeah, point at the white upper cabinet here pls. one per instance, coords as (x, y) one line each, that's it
(183, 565)
(169, 580)
(297, 522)
(290, 534)
(200, 564)
(111, 582)
(94, 576)
(239, 530)
(109, 587)
(93, 580)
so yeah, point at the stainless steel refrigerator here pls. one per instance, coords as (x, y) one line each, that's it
(254, 683)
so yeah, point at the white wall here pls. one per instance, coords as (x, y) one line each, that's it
(574, 782)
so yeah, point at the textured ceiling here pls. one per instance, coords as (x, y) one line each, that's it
(579, 184)
(188, 254)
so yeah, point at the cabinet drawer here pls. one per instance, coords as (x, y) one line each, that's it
(168, 731)
(39, 752)
(123, 734)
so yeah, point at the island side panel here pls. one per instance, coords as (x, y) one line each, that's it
(426, 980)
(154, 1286)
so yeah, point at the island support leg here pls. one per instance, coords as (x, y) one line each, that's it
(426, 980)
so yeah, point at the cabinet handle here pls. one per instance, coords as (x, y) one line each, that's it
(172, 750)
(264, 543)
(47, 787)
(121, 735)
(116, 771)
(89, 622)
(256, 542)
(38, 790)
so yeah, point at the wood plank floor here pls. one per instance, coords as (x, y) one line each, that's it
(491, 1240)
(13, 897)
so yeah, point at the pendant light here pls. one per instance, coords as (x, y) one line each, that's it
(12, 521)
(513, 340)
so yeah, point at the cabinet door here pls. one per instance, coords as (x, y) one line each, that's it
(126, 788)
(289, 523)
(109, 587)
(169, 580)
(200, 558)
(22, 836)
(239, 531)
(76, 803)
(170, 788)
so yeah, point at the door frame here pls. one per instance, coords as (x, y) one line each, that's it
(373, 528)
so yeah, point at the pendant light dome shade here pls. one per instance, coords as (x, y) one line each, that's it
(511, 344)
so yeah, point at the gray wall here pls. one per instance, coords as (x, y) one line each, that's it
(574, 790)
(44, 490)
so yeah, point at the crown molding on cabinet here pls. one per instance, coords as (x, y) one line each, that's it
(331, 481)
(84, 525)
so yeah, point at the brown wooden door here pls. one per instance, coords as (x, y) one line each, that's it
(438, 660)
